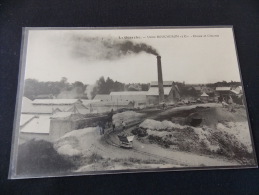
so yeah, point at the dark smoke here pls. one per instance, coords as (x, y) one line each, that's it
(107, 48)
(128, 46)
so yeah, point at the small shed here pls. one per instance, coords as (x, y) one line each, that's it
(204, 96)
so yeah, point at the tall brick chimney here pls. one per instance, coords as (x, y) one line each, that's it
(160, 80)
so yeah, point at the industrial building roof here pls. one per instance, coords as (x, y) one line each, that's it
(204, 94)
(55, 101)
(25, 118)
(87, 102)
(238, 89)
(79, 109)
(197, 88)
(127, 93)
(27, 106)
(45, 109)
(223, 88)
(39, 124)
(112, 103)
(48, 106)
(154, 91)
(134, 96)
(61, 114)
(235, 92)
(165, 83)
(102, 97)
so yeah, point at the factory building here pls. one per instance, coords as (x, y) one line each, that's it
(171, 92)
(139, 99)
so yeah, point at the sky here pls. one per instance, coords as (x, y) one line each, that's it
(192, 55)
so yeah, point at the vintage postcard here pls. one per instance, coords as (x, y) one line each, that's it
(117, 100)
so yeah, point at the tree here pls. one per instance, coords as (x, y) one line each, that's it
(31, 88)
(63, 80)
(145, 87)
(34, 88)
(118, 86)
(79, 86)
(94, 92)
(64, 85)
(103, 86)
(130, 88)
(99, 87)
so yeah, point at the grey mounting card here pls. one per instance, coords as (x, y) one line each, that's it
(123, 100)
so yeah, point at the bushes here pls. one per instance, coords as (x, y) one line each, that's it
(160, 141)
(40, 158)
(93, 120)
(94, 158)
(134, 161)
(140, 132)
(231, 147)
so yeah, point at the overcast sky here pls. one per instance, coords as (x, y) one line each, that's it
(53, 54)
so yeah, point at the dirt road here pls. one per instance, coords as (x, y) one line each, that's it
(169, 155)
(107, 146)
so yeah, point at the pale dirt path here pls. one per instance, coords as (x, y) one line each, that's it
(170, 155)
(179, 157)
(93, 143)
(107, 146)
(189, 159)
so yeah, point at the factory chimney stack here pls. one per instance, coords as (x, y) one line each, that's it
(160, 80)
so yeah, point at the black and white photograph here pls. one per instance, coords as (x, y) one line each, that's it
(121, 100)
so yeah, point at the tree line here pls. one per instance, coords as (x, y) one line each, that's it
(103, 86)
(35, 89)
(224, 84)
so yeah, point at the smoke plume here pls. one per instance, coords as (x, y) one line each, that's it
(89, 90)
(107, 48)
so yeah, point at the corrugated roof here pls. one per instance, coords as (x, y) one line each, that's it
(238, 89)
(154, 91)
(113, 103)
(102, 97)
(223, 88)
(27, 106)
(204, 94)
(54, 101)
(45, 109)
(24, 118)
(198, 88)
(43, 106)
(25, 99)
(44, 96)
(155, 83)
(128, 93)
(127, 96)
(40, 124)
(61, 114)
(87, 102)
(234, 91)
(79, 109)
